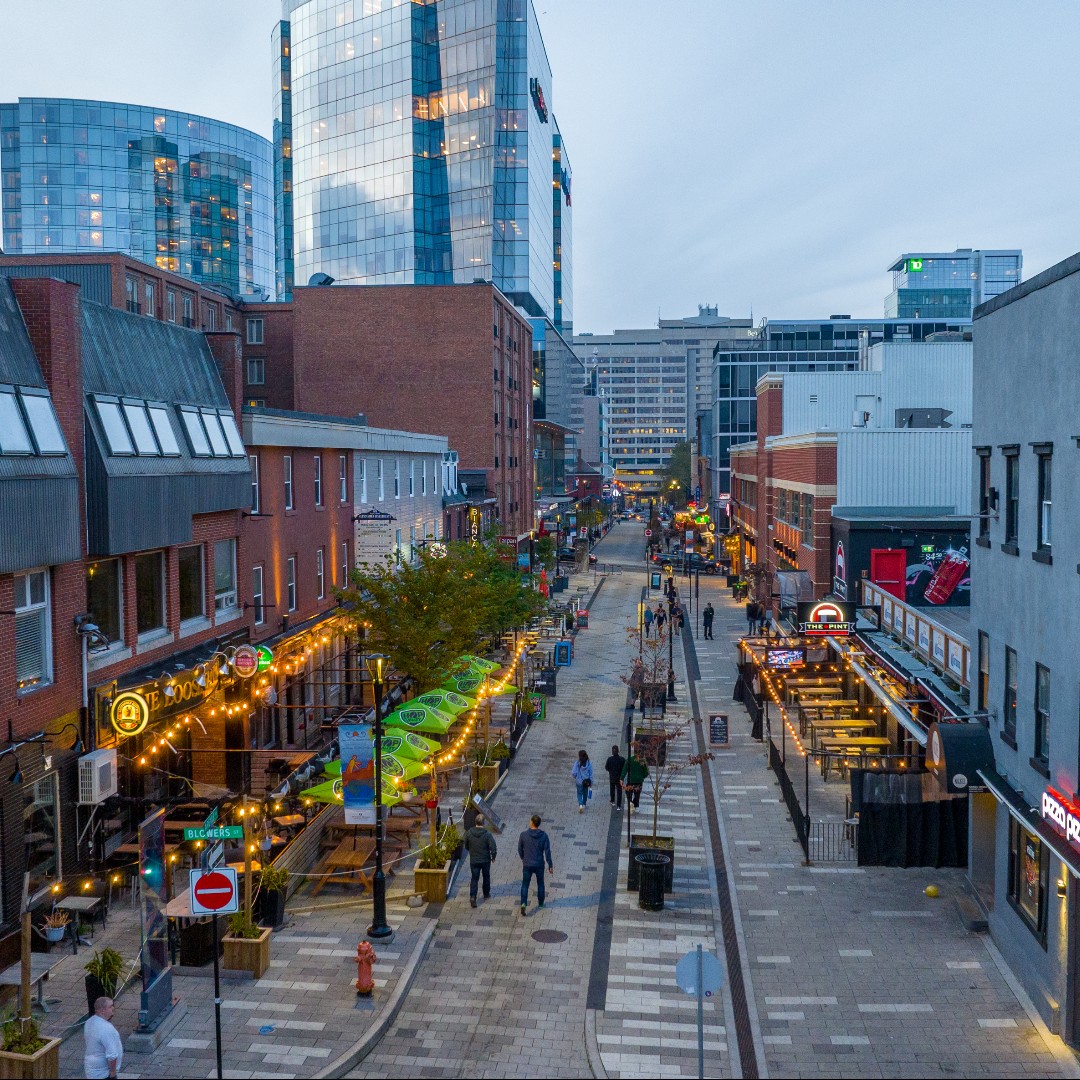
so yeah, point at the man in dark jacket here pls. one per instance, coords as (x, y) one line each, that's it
(534, 848)
(633, 775)
(707, 617)
(480, 845)
(614, 767)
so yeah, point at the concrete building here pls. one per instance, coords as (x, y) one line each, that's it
(1025, 844)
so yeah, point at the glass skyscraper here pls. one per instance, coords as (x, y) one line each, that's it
(949, 285)
(421, 144)
(180, 192)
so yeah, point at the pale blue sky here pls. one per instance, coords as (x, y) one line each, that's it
(773, 155)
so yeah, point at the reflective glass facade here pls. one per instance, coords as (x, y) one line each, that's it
(421, 144)
(181, 192)
(283, 174)
(949, 285)
(792, 345)
(562, 234)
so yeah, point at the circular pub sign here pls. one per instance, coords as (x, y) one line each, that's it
(129, 713)
(245, 661)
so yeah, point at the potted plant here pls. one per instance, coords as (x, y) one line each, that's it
(246, 945)
(103, 971)
(55, 925)
(486, 770)
(274, 886)
(26, 1053)
(500, 755)
(661, 775)
(431, 875)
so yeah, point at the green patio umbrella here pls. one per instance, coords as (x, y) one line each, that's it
(446, 701)
(409, 745)
(402, 769)
(330, 792)
(480, 664)
(464, 683)
(416, 717)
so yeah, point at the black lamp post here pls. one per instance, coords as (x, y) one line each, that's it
(671, 645)
(379, 928)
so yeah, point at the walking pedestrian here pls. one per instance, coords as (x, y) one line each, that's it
(680, 613)
(534, 848)
(648, 617)
(707, 617)
(480, 845)
(660, 617)
(614, 767)
(582, 773)
(637, 679)
(103, 1051)
(751, 617)
(633, 776)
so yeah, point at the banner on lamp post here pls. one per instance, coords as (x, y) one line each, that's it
(357, 773)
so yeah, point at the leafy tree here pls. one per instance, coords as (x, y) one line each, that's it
(544, 549)
(677, 482)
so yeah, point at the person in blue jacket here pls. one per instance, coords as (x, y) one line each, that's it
(534, 848)
(582, 774)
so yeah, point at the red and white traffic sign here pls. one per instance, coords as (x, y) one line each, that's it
(648, 532)
(214, 892)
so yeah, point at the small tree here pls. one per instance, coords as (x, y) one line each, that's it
(661, 776)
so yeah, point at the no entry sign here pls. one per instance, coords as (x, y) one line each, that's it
(214, 892)
(648, 532)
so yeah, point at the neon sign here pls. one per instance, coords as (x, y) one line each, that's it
(537, 94)
(130, 713)
(827, 618)
(1063, 814)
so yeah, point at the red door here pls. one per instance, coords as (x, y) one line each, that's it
(888, 569)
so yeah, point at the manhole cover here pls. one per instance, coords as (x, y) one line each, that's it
(548, 937)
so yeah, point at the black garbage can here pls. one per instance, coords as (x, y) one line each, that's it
(652, 867)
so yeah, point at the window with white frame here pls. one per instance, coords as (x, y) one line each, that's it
(170, 305)
(397, 478)
(290, 582)
(256, 370)
(423, 476)
(344, 563)
(287, 467)
(318, 479)
(382, 481)
(320, 573)
(254, 331)
(257, 595)
(225, 575)
(412, 477)
(33, 630)
(253, 461)
(343, 478)
(361, 465)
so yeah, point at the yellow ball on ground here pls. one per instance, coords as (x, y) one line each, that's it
(931, 891)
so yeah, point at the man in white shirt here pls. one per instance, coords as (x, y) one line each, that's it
(104, 1050)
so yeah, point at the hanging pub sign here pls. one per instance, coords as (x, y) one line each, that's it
(130, 713)
(1064, 814)
(826, 618)
(245, 661)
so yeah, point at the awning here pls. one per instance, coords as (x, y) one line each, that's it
(1031, 819)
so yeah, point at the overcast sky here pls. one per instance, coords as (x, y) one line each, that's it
(765, 155)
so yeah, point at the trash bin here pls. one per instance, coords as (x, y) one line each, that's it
(652, 866)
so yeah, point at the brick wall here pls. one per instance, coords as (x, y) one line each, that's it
(276, 352)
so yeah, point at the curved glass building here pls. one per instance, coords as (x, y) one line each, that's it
(181, 192)
(419, 145)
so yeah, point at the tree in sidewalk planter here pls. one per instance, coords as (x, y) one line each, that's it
(758, 577)
(663, 774)
(544, 551)
(649, 669)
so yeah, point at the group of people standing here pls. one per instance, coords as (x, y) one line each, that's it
(758, 618)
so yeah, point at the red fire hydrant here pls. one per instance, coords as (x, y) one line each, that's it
(365, 957)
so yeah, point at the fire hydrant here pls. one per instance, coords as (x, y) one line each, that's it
(365, 957)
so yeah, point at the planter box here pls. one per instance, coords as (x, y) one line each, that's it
(665, 845)
(43, 1065)
(489, 776)
(273, 907)
(432, 884)
(248, 954)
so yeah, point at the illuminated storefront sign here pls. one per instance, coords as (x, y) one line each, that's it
(537, 94)
(1063, 814)
(245, 661)
(130, 713)
(826, 618)
(915, 266)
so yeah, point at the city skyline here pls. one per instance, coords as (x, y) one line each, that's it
(798, 202)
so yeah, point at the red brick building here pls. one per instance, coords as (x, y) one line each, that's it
(409, 358)
(783, 491)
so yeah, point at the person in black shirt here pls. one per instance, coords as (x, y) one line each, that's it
(614, 767)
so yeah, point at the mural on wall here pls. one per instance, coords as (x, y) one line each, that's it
(922, 567)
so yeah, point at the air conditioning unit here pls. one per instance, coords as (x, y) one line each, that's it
(97, 777)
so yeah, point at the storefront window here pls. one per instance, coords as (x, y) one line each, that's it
(41, 832)
(1029, 868)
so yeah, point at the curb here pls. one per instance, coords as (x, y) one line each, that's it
(592, 1047)
(371, 1039)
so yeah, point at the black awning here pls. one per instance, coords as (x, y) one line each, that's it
(1031, 819)
(956, 753)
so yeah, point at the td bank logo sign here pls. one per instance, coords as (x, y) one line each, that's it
(826, 618)
(1063, 814)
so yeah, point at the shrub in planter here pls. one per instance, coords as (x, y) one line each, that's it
(26, 1053)
(246, 945)
(103, 971)
(274, 885)
(432, 875)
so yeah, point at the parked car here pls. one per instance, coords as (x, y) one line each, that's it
(704, 564)
(664, 558)
(569, 554)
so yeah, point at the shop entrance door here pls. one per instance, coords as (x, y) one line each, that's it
(888, 569)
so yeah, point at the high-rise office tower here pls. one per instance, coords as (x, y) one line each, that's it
(184, 193)
(949, 285)
(421, 144)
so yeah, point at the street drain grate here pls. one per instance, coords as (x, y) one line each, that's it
(548, 937)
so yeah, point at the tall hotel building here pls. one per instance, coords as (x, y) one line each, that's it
(183, 193)
(415, 145)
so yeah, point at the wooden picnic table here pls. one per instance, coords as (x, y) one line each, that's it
(860, 746)
(817, 727)
(290, 821)
(41, 965)
(818, 707)
(350, 855)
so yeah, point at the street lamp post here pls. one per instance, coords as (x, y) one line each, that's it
(671, 644)
(379, 928)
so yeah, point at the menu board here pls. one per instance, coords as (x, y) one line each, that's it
(718, 729)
